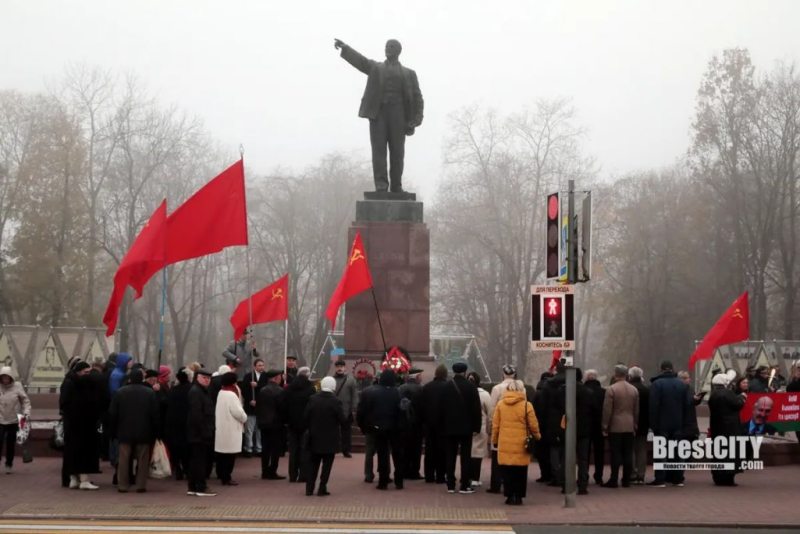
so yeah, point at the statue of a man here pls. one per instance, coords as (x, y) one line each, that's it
(393, 104)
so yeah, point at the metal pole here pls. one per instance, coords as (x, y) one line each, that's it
(375, 301)
(161, 324)
(570, 442)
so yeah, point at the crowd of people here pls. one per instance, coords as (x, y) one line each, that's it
(116, 410)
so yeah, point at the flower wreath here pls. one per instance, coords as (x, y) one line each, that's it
(396, 360)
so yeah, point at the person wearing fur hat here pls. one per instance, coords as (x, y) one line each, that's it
(230, 419)
(200, 434)
(379, 414)
(498, 390)
(13, 401)
(323, 416)
(80, 404)
(724, 406)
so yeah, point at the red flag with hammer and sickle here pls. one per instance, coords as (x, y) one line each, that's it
(733, 326)
(269, 304)
(355, 279)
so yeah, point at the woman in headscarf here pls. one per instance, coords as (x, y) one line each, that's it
(80, 407)
(13, 402)
(230, 419)
(724, 406)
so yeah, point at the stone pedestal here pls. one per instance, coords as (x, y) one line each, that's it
(397, 244)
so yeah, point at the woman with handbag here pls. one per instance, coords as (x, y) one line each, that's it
(514, 429)
(13, 401)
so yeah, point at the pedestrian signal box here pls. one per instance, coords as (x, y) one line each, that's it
(552, 317)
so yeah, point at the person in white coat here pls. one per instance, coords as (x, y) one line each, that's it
(480, 440)
(230, 419)
(509, 377)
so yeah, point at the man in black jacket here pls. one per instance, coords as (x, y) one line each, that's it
(584, 415)
(430, 416)
(200, 431)
(596, 438)
(635, 377)
(134, 422)
(670, 404)
(461, 417)
(323, 417)
(379, 413)
(269, 416)
(553, 412)
(542, 447)
(412, 442)
(294, 405)
(251, 384)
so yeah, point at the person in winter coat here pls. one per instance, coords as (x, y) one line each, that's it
(134, 420)
(670, 403)
(229, 418)
(323, 419)
(413, 433)
(177, 412)
(80, 404)
(794, 386)
(200, 434)
(294, 406)
(509, 376)
(635, 377)
(346, 391)
(269, 417)
(480, 440)
(251, 384)
(724, 406)
(434, 465)
(584, 415)
(13, 401)
(461, 418)
(597, 441)
(379, 414)
(620, 417)
(513, 420)
(124, 362)
(552, 407)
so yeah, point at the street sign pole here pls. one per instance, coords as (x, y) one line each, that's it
(570, 438)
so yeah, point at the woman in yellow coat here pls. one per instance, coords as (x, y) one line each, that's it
(511, 417)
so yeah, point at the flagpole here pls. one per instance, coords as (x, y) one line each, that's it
(161, 324)
(249, 331)
(285, 345)
(375, 301)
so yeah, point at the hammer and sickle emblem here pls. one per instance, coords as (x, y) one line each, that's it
(738, 313)
(277, 293)
(357, 255)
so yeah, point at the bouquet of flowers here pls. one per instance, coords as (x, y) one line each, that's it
(396, 361)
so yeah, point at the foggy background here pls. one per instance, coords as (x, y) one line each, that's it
(617, 81)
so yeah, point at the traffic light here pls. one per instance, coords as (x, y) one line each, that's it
(553, 317)
(553, 239)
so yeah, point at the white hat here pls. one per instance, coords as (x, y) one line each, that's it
(223, 369)
(328, 384)
(6, 371)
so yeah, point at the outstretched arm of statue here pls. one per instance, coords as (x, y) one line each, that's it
(354, 58)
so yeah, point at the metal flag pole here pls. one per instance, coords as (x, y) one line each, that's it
(161, 323)
(380, 324)
(285, 345)
(249, 332)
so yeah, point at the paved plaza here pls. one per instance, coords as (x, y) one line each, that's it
(763, 498)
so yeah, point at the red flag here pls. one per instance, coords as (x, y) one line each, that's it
(554, 361)
(144, 259)
(355, 279)
(269, 304)
(213, 218)
(733, 326)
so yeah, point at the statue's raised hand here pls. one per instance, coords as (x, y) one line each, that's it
(337, 44)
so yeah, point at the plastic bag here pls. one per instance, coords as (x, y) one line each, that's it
(159, 461)
(57, 441)
(24, 429)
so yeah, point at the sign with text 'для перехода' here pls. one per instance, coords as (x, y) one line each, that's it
(552, 317)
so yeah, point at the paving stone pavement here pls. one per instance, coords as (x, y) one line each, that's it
(767, 497)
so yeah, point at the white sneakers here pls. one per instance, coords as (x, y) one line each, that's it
(73, 482)
(9, 469)
(86, 485)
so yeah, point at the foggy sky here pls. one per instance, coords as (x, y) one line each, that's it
(265, 73)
